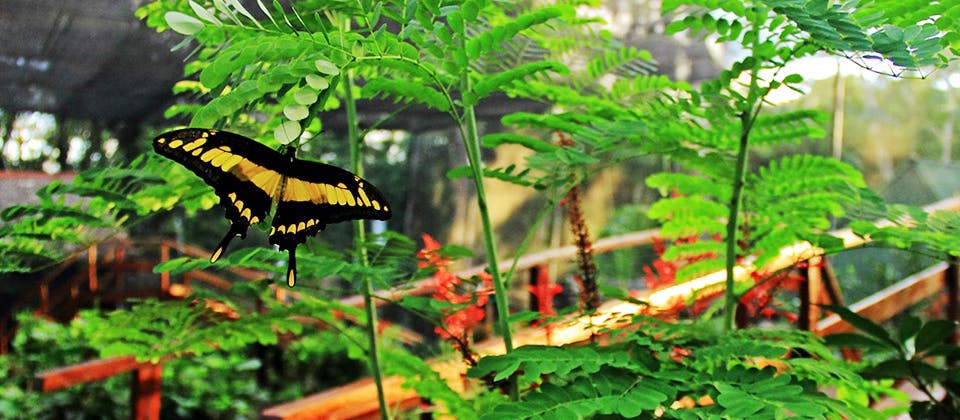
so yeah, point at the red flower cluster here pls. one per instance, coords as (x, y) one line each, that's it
(458, 320)
(760, 299)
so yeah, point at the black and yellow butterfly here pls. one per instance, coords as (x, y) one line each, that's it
(249, 176)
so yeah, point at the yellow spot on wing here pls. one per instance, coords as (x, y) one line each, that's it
(230, 163)
(272, 230)
(245, 214)
(311, 222)
(291, 276)
(239, 204)
(254, 220)
(266, 181)
(301, 226)
(232, 196)
(351, 201)
(220, 160)
(211, 154)
(363, 196)
(161, 140)
(342, 185)
(282, 229)
(197, 152)
(341, 199)
(216, 255)
(175, 144)
(194, 144)
(376, 205)
(330, 193)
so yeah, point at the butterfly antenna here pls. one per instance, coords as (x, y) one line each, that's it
(223, 243)
(292, 267)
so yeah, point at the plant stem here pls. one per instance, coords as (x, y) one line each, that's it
(733, 224)
(359, 241)
(471, 140)
(748, 114)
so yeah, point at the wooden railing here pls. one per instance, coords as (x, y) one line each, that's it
(358, 399)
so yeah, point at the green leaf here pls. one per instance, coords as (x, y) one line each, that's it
(326, 67)
(934, 332)
(287, 132)
(182, 23)
(867, 326)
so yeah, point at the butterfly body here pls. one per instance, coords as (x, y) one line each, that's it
(249, 178)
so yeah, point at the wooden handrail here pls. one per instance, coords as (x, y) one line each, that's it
(578, 328)
(94, 370)
(890, 301)
(426, 286)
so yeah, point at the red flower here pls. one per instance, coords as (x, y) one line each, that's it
(467, 309)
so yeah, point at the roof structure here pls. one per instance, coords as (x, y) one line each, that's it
(88, 59)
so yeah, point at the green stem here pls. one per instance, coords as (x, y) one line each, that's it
(471, 140)
(733, 223)
(359, 241)
(748, 114)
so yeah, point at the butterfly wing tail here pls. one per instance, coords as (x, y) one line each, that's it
(233, 232)
(292, 267)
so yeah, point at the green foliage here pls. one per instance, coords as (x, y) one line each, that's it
(93, 206)
(152, 330)
(917, 351)
(648, 369)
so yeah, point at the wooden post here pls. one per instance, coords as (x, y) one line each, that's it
(92, 268)
(810, 293)
(44, 298)
(165, 276)
(4, 334)
(145, 392)
(536, 272)
(118, 255)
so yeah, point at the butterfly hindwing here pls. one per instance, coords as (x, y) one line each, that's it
(248, 176)
(314, 195)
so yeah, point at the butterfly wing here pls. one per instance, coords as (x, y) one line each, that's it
(244, 173)
(316, 194)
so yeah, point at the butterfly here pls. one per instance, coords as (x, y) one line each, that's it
(250, 177)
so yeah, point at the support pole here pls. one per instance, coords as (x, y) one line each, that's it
(145, 392)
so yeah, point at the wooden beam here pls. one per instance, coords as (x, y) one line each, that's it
(94, 283)
(810, 292)
(350, 401)
(890, 301)
(145, 392)
(93, 370)
(164, 276)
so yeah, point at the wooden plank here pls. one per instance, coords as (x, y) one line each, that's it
(93, 370)
(210, 279)
(357, 399)
(145, 392)
(890, 301)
